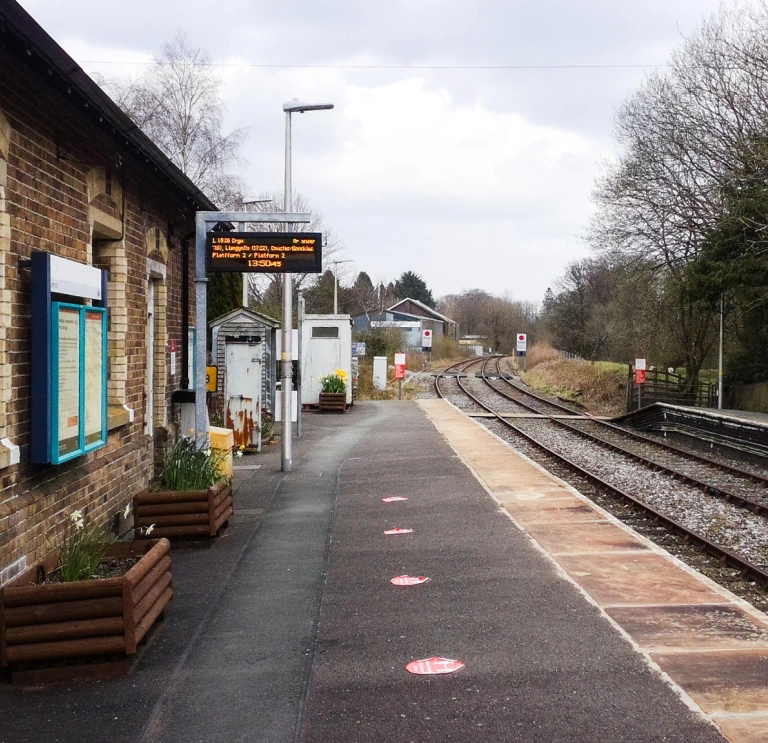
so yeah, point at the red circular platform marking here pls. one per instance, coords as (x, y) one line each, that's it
(393, 498)
(408, 580)
(398, 530)
(433, 666)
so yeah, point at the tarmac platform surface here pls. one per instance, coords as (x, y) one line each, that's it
(286, 628)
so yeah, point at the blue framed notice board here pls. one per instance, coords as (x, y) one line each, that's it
(78, 376)
(69, 351)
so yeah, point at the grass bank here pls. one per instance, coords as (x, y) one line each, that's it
(599, 387)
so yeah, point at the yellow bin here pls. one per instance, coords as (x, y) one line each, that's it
(223, 441)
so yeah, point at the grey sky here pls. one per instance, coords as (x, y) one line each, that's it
(472, 178)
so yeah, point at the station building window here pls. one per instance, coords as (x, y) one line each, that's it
(108, 251)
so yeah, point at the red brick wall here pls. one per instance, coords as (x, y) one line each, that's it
(52, 149)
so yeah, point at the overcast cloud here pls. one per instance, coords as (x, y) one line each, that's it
(471, 178)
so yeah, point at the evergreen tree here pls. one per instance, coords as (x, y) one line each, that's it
(225, 293)
(411, 285)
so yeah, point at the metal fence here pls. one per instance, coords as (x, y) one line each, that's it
(668, 387)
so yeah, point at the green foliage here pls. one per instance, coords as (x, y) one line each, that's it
(82, 551)
(267, 424)
(733, 265)
(225, 293)
(187, 468)
(411, 285)
(382, 342)
(336, 382)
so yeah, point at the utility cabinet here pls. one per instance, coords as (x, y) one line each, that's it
(326, 345)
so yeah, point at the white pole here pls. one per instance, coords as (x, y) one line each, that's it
(335, 289)
(286, 461)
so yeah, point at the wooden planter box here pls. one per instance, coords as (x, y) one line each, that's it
(43, 627)
(333, 401)
(182, 513)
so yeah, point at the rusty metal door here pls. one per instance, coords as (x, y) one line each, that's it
(243, 392)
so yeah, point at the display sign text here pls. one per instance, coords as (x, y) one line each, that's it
(264, 252)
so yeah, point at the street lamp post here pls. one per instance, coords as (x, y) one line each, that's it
(336, 285)
(286, 366)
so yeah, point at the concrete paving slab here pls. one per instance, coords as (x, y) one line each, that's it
(584, 537)
(731, 681)
(636, 580)
(751, 729)
(668, 628)
(553, 510)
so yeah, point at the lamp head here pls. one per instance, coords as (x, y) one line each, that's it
(300, 107)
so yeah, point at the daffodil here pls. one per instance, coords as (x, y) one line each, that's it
(148, 529)
(76, 516)
(127, 511)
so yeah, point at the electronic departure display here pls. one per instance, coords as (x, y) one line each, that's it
(264, 252)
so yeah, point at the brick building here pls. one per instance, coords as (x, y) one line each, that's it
(80, 181)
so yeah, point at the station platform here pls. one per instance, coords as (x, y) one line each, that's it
(287, 629)
(733, 430)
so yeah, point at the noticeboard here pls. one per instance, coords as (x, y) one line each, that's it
(78, 380)
(264, 252)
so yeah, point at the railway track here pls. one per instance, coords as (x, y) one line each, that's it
(744, 489)
(533, 434)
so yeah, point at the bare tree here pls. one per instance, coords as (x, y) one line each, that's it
(686, 135)
(176, 103)
(265, 291)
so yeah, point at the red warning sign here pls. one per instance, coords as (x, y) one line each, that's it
(433, 666)
(408, 580)
(393, 498)
(398, 530)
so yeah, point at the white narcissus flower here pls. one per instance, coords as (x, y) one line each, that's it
(148, 530)
(127, 511)
(80, 524)
(76, 516)
(239, 453)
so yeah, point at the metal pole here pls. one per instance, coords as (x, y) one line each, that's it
(300, 327)
(720, 359)
(286, 461)
(335, 289)
(245, 275)
(201, 333)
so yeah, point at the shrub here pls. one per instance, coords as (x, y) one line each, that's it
(82, 550)
(185, 467)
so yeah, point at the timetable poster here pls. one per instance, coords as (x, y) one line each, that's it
(68, 365)
(94, 387)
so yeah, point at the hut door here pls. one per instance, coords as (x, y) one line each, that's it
(243, 392)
